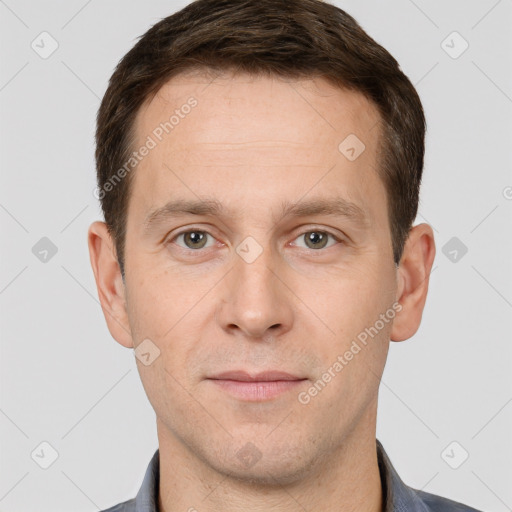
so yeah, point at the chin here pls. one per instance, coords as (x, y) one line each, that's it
(267, 475)
(269, 465)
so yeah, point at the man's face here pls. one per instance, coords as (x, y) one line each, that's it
(251, 289)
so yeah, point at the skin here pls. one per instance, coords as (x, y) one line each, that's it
(252, 143)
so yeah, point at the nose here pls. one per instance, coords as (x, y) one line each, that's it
(255, 301)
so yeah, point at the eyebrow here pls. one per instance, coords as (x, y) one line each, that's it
(336, 207)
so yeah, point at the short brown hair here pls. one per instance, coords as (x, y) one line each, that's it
(287, 38)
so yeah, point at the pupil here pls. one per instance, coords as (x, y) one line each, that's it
(195, 237)
(316, 237)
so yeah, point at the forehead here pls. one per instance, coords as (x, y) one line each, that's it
(272, 103)
(264, 136)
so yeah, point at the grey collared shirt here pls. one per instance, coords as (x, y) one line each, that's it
(397, 496)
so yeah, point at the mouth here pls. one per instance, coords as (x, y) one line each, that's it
(257, 387)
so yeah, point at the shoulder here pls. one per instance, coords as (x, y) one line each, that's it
(125, 506)
(436, 503)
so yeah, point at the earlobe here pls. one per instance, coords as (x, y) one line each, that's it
(109, 282)
(413, 279)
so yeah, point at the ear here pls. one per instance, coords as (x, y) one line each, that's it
(413, 278)
(109, 282)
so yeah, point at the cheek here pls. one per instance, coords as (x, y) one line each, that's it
(352, 326)
(351, 299)
(145, 304)
(172, 314)
(157, 300)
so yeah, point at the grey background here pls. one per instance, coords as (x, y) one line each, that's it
(65, 381)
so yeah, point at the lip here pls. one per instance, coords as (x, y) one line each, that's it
(267, 376)
(256, 387)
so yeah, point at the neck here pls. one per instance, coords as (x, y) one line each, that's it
(345, 480)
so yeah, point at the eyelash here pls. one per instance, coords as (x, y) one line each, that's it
(313, 230)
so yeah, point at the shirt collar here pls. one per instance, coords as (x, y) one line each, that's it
(147, 497)
(397, 497)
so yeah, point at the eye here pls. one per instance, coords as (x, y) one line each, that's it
(316, 239)
(198, 239)
(193, 239)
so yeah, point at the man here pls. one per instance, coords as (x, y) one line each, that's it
(259, 166)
